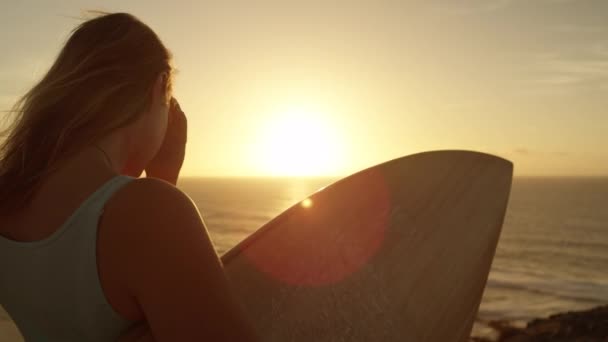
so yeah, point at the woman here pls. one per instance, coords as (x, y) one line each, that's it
(146, 269)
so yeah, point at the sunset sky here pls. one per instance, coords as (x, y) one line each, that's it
(331, 87)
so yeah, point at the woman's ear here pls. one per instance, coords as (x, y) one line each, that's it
(161, 83)
(164, 76)
(160, 87)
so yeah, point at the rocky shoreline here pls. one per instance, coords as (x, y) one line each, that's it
(574, 326)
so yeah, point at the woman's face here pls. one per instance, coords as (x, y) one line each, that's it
(148, 131)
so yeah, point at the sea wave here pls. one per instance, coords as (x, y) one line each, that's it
(586, 291)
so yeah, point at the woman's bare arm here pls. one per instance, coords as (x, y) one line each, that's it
(171, 268)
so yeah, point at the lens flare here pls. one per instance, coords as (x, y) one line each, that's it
(307, 203)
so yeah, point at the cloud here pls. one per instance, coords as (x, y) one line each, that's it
(579, 59)
(471, 6)
(564, 71)
(466, 7)
(579, 28)
(521, 150)
(524, 151)
(560, 1)
(583, 65)
(600, 48)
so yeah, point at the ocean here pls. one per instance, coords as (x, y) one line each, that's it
(552, 254)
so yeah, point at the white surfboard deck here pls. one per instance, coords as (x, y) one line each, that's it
(397, 252)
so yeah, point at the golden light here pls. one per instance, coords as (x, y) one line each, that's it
(307, 203)
(298, 142)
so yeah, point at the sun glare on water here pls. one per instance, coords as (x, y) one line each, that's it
(298, 143)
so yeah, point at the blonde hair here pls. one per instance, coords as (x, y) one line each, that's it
(101, 80)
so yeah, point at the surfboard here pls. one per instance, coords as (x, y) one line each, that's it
(397, 252)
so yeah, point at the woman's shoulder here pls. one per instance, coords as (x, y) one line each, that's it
(146, 204)
(147, 197)
(148, 191)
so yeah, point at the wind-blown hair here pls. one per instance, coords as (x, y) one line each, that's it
(101, 80)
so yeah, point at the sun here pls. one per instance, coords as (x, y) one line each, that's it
(298, 142)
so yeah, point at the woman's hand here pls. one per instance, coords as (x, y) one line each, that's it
(168, 161)
(137, 333)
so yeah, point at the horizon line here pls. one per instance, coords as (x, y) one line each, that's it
(344, 176)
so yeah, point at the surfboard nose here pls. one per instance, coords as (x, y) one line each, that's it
(437, 161)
